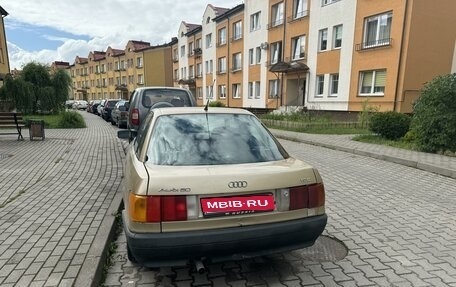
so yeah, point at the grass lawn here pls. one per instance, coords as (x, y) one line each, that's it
(50, 121)
(375, 139)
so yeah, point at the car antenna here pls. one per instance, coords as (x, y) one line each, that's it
(210, 97)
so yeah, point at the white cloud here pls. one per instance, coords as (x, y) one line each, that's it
(106, 22)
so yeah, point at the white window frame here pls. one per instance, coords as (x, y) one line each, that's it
(299, 47)
(250, 90)
(199, 92)
(251, 57)
(258, 55)
(319, 85)
(237, 62)
(222, 91)
(333, 85)
(378, 77)
(323, 40)
(337, 36)
(208, 40)
(140, 79)
(236, 91)
(274, 89)
(222, 65)
(255, 21)
(276, 52)
(328, 2)
(257, 90)
(222, 36)
(299, 9)
(199, 70)
(380, 20)
(237, 30)
(277, 14)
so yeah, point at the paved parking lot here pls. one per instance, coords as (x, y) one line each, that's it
(396, 221)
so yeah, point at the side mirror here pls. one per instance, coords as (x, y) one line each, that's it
(123, 134)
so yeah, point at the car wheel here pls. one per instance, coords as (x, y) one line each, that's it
(130, 256)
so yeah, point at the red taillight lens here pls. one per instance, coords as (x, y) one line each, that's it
(135, 117)
(166, 208)
(307, 196)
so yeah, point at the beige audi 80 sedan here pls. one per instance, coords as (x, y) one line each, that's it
(214, 184)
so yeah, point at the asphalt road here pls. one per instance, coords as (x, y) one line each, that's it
(397, 223)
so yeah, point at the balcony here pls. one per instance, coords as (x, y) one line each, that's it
(374, 44)
(198, 51)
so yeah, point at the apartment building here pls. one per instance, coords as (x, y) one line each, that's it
(4, 60)
(332, 55)
(115, 73)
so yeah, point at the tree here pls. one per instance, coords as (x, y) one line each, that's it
(35, 89)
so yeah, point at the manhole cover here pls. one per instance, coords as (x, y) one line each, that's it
(325, 249)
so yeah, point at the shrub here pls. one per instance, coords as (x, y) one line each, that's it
(71, 120)
(366, 113)
(390, 125)
(216, 104)
(434, 119)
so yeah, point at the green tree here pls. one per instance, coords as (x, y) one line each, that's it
(434, 118)
(36, 89)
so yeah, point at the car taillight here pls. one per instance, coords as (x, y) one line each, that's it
(157, 208)
(307, 196)
(135, 117)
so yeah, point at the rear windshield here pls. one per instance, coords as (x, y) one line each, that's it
(112, 103)
(213, 139)
(159, 98)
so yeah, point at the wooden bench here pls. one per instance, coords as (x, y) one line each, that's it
(11, 120)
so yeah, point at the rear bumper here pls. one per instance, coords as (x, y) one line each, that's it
(177, 248)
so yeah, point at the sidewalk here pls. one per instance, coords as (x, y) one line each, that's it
(58, 198)
(439, 164)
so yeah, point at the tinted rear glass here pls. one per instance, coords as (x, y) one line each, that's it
(165, 97)
(212, 139)
(111, 104)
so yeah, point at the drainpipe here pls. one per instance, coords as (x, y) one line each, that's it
(228, 88)
(400, 56)
(283, 47)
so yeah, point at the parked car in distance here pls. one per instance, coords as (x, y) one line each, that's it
(215, 184)
(145, 98)
(69, 104)
(80, 105)
(107, 109)
(94, 106)
(119, 114)
(100, 107)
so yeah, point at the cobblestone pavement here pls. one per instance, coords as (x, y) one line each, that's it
(396, 221)
(55, 198)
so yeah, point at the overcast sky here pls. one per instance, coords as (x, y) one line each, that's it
(59, 30)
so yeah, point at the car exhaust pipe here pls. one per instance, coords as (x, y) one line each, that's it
(199, 266)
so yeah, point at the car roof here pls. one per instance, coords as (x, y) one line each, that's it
(199, 110)
(160, 88)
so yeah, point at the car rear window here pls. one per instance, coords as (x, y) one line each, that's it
(212, 139)
(111, 104)
(166, 97)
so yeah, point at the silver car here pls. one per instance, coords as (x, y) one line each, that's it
(215, 184)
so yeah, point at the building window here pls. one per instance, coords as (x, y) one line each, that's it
(176, 74)
(276, 52)
(209, 67)
(222, 36)
(334, 84)
(323, 39)
(237, 30)
(182, 51)
(299, 9)
(236, 91)
(273, 89)
(198, 44)
(140, 79)
(222, 65)
(139, 62)
(131, 80)
(190, 49)
(299, 47)
(209, 93)
(320, 85)
(251, 57)
(277, 14)
(255, 22)
(191, 72)
(257, 90)
(124, 80)
(222, 91)
(258, 55)
(327, 2)
(199, 70)
(250, 92)
(208, 40)
(337, 36)
(377, 30)
(199, 92)
(372, 82)
(237, 61)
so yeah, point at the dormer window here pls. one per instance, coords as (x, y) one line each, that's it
(208, 20)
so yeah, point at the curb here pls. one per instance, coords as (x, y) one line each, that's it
(402, 161)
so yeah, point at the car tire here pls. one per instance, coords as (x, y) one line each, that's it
(130, 255)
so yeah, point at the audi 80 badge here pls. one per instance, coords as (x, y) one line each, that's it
(244, 194)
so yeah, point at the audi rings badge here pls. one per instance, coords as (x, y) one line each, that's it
(237, 184)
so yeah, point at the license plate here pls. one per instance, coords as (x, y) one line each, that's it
(236, 205)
